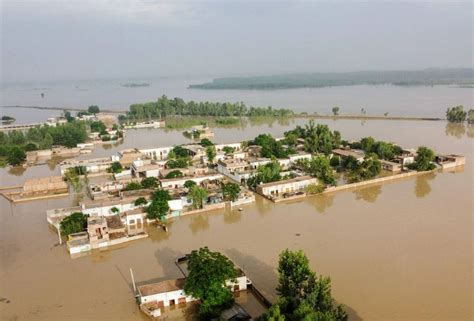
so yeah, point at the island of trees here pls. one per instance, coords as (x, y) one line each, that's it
(458, 115)
(426, 77)
(165, 106)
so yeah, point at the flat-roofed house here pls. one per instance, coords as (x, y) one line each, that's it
(146, 168)
(159, 153)
(357, 154)
(391, 166)
(286, 186)
(449, 161)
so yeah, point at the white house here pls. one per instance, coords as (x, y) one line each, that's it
(179, 182)
(286, 186)
(159, 153)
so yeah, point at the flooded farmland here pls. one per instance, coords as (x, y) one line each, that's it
(398, 251)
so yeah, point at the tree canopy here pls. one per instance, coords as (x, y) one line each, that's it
(230, 191)
(158, 208)
(208, 273)
(74, 223)
(456, 114)
(197, 194)
(165, 106)
(303, 296)
(93, 109)
(423, 159)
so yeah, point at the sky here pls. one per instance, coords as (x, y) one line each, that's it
(93, 39)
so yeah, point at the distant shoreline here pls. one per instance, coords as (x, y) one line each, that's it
(296, 115)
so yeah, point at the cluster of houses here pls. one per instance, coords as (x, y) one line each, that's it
(109, 193)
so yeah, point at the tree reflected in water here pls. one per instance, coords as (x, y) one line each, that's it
(17, 170)
(199, 223)
(422, 186)
(455, 129)
(470, 131)
(368, 194)
(232, 216)
(322, 202)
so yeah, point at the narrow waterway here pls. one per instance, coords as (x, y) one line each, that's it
(399, 251)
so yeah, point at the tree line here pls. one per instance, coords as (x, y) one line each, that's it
(165, 106)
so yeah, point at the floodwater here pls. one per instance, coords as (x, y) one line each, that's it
(398, 251)
(424, 101)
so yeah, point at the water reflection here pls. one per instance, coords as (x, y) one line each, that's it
(199, 222)
(232, 216)
(470, 131)
(422, 186)
(322, 202)
(455, 129)
(17, 170)
(368, 194)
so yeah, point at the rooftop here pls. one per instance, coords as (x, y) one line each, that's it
(161, 287)
(288, 181)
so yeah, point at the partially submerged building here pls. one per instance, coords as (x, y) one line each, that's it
(286, 188)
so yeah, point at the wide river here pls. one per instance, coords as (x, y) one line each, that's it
(109, 94)
(399, 251)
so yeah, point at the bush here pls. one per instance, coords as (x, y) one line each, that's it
(174, 174)
(74, 223)
(16, 156)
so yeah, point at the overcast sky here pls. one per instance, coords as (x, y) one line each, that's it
(87, 39)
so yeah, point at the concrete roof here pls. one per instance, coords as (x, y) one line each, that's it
(161, 287)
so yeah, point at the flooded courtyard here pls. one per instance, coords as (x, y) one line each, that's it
(398, 251)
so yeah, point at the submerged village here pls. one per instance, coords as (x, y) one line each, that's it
(134, 188)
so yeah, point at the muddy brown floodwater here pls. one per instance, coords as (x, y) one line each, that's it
(399, 251)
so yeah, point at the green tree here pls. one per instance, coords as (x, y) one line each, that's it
(367, 169)
(115, 210)
(320, 168)
(115, 168)
(314, 189)
(335, 110)
(133, 186)
(140, 201)
(228, 150)
(98, 127)
(93, 109)
(16, 156)
(211, 153)
(470, 116)
(456, 114)
(273, 314)
(178, 163)
(423, 159)
(149, 182)
(158, 209)
(174, 174)
(74, 223)
(208, 273)
(231, 191)
(189, 184)
(303, 295)
(367, 144)
(205, 142)
(197, 195)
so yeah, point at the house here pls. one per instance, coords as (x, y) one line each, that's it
(97, 229)
(94, 165)
(45, 185)
(127, 156)
(343, 153)
(170, 183)
(146, 124)
(236, 169)
(286, 186)
(450, 161)
(171, 292)
(391, 166)
(195, 151)
(160, 153)
(153, 297)
(146, 168)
